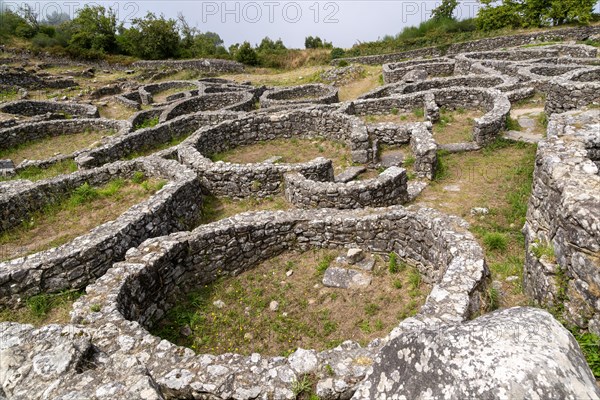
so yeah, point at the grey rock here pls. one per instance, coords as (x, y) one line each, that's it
(515, 353)
(345, 278)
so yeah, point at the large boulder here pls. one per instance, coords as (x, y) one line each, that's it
(518, 353)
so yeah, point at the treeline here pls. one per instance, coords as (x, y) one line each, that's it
(493, 19)
(96, 34)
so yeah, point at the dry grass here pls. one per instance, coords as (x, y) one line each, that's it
(371, 80)
(309, 314)
(274, 77)
(44, 148)
(398, 118)
(115, 110)
(162, 95)
(62, 222)
(292, 150)
(498, 178)
(214, 209)
(455, 126)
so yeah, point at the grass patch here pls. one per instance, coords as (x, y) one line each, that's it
(44, 148)
(154, 148)
(498, 177)
(590, 347)
(309, 314)
(73, 215)
(43, 309)
(512, 124)
(34, 173)
(291, 150)
(161, 96)
(147, 123)
(9, 95)
(455, 126)
(214, 209)
(495, 241)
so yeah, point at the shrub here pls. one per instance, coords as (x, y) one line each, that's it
(337, 53)
(343, 63)
(246, 54)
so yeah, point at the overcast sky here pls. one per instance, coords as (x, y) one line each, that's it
(342, 22)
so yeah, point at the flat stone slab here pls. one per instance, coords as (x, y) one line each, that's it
(349, 174)
(392, 158)
(523, 136)
(459, 147)
(344, 278)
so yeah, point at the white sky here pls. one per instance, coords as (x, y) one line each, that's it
(342, 22)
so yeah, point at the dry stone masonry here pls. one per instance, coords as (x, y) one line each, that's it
(562, 232)
(136, 268)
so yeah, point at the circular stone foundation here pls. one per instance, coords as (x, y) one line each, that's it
(129, 295)
(298, 95)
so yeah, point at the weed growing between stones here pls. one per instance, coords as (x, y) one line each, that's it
(281, 305)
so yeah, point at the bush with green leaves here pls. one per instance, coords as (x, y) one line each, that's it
(246, 54)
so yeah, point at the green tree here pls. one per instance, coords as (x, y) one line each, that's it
(445, 10)
(151, 37)
(246, 54)
(94, 32)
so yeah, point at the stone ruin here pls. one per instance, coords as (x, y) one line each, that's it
(135, 268)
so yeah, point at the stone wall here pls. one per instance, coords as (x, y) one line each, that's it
(424, 149)
(573, 90)
(231, 101)
(446, 254)
(302, 94)
(78, 263)
(315, 122)
(249, 180)
(20, 78)
(389, 188)
(486, 128)
(561, 34)
(206, 66)
(124, 146)
(434, 67)
(25, 132)
(35, 107)
(563, 219)
(146, 91)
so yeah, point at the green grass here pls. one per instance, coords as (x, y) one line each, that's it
(147, 123)
(441, 170)
(9, 94)
(495, 241)
(324, 264)
(493, 298)
(43, 308)
(73, 214)
(590, 346)
(512, 124)
(34, 173)
(543, 250)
